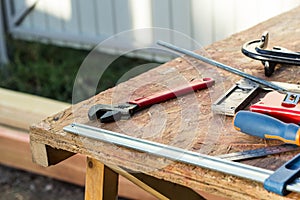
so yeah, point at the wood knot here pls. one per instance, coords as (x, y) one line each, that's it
(90, 164)
(56, 118)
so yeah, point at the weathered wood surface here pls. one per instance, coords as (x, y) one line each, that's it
(106, 179)
(186, 122)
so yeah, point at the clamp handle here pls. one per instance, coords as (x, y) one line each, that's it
(169, 94)
(284, 175)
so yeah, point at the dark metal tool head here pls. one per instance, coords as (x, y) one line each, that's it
(256, 49)
(111, 113)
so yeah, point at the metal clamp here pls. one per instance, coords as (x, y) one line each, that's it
(178, 154)
(286, 174)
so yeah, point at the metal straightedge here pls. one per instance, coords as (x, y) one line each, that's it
(261, 152)
(177, 154)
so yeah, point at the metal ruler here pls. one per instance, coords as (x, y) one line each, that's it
(261, 152)
(178, 154)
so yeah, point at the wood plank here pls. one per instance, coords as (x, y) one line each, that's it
(181, 21)
(87, 20)
(71, 24)
(168, 189)
(15, 152)
(105, 11)
(15, 147)
(56, 11)
(139, 183)
(46, 156)
(224, 20)
(122, 17)
(38, 16)
(20, 110)
(202, 22)
(101, 181)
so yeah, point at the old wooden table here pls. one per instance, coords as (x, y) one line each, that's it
(186, 122)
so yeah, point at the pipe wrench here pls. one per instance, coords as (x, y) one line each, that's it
(111, 113)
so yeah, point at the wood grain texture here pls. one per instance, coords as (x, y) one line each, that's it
(15, 148)
(101, 181)
(140, 183)
(20, 110)
(186, 122)
(15, 152)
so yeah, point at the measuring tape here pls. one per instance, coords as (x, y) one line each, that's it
(261, 152)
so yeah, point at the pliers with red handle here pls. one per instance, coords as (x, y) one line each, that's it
(111, 113)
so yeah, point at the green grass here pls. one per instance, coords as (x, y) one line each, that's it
(40, 69)
(50, 71)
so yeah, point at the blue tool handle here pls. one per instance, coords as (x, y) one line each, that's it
(284, 175)
(265, 126)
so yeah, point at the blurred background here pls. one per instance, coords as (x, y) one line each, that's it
(84, 24)
(44, 42)
(77, 26)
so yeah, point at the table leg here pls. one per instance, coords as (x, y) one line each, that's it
(101, 181)
(159, 188)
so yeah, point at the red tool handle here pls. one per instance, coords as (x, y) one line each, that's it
(169, 94)
(274, 104)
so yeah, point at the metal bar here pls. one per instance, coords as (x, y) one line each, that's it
(260, 152)
(3, 50)
(8, 14)
(21, 15)
(221, 65)
(177, 154)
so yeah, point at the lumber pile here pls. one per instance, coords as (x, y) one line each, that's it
(17, 112)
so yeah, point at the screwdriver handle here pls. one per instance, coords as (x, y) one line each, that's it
(170, 94)
(265, 126)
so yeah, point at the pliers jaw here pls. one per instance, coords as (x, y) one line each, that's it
(111, 113)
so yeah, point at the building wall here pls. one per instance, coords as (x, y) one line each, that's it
(83, 24)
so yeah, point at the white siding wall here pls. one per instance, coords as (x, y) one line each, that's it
(85, 23)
